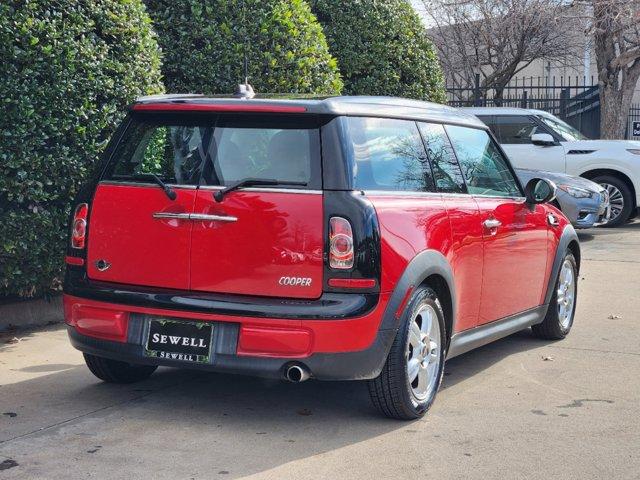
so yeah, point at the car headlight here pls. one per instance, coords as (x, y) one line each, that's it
(575, 191)
(635, 151)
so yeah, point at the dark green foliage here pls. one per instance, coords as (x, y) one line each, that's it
(382, 48)
(203, 46)
(67, 70)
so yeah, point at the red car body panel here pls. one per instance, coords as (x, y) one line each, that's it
(465, 257)
(449, 225)
(276, 235)
(140, 249)
(515, 258)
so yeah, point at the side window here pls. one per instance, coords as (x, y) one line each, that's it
(515, 129)
(388, 154)
(484, 168)
(446, 171)
(172, 152)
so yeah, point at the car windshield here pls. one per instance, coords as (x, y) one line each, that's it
(563, 129)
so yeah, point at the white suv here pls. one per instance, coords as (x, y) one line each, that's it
(537, 140)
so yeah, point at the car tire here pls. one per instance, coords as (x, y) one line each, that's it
(627, 198)
(114, 371)
(393, 392)
(561, 311)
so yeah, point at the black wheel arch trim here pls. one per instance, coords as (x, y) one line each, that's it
(567, 238)
(424, 265)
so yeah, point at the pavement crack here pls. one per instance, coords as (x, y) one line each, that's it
(614, 261)
(596, 350)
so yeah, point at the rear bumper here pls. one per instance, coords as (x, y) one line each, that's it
(345, 349)
(364, 364)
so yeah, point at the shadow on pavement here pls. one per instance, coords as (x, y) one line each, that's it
(584, 237)
(234, 421)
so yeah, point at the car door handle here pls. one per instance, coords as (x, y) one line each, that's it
(215, 218)
(179, 216)
(492, 223)
(195, 217)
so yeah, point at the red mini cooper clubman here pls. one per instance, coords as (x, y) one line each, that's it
(336, 239)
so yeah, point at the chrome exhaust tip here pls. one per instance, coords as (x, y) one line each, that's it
(296, 374)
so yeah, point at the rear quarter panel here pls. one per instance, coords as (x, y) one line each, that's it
(410, 224)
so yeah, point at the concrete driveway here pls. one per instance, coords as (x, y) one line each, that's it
(519, 408)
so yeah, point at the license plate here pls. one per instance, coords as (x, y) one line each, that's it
(181, 341)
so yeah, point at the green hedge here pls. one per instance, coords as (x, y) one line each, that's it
(67, 70)
(382, 48)
(203, 45)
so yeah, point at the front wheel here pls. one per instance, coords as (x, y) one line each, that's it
(411, 376)
(562, 308)
(620, 200)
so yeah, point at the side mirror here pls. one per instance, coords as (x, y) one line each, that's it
(542, 140)
(540, 190)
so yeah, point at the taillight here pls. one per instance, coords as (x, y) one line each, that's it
(79, 226)
(340, 244)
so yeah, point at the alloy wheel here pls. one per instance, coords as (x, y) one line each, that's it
(566, 294)
(616, 202)
(423, 352)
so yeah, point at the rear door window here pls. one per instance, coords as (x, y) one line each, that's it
(446, 171)
(387, 154)
(485, 169)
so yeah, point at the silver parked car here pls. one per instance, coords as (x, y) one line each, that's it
(583, 202)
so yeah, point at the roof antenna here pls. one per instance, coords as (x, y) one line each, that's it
(244, 90)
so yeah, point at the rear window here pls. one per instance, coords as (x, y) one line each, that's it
(187, 149)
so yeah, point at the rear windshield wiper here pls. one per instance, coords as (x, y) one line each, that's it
(170, 192)
(253, 182)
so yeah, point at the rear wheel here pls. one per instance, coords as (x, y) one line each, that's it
(562, 308)
(620, 200)
(411, 376)
(114, 371)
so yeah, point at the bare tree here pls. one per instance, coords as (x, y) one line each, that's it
(498, 38)
(615, 25)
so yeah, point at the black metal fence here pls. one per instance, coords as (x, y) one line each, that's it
(574, 99)
(634, 117)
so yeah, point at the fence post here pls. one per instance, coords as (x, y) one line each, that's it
(524, 99)
(564, 103)
(476, 92)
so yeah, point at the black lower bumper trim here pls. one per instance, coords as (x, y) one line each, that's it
(360, 365)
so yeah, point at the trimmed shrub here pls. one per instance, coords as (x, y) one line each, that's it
(382, 48)
(67, 70)
(204, 43)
